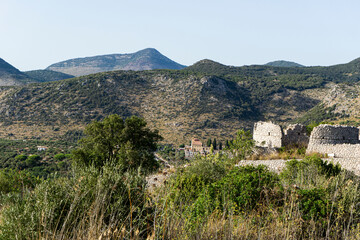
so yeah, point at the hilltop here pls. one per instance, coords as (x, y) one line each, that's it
(146, 59)
(282, 63)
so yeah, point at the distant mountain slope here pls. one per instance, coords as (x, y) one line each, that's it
(47, 75)
(205, 100)
(282, 63)
(10, 76)
(146, 59)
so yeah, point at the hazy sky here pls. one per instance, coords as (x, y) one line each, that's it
(37, 33)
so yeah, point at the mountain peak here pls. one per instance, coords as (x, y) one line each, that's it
(10, 75)
(146, 59)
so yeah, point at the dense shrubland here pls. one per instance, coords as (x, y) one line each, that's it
(209, 198)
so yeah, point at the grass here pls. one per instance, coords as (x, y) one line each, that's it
(311, 199)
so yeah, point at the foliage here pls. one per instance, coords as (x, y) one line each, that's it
(307, 170)
(62, 206)
(16, 181)
(242, 145)
(128, 143)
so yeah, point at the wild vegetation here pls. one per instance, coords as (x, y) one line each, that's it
(105, 195)
(207, 99)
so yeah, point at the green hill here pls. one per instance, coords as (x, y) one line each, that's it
(146, 59)
(282, 63)
(47, 75)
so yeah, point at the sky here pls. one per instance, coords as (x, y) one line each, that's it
(38, 33)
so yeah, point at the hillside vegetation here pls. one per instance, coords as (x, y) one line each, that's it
(207, 99)
(47, 75)
(107, 195)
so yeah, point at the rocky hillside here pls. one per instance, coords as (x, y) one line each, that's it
(205, 100)
(10, 76)
(146, 59)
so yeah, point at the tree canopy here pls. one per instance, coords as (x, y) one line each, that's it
(129, 144)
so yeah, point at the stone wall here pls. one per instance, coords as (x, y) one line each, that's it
(336, 150)
(351, 164)
(334, 134)
(335, 140)
(296, 135)
(267, 134)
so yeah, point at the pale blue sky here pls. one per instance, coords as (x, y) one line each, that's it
(37, 33)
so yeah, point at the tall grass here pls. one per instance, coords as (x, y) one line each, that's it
(210, 199)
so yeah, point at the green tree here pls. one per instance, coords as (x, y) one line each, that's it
(242, 145)
(220, 145)
(128, 143)
(59, 157)
(208, 143)
(33, 160)
(227, 145)
(214, 144)
(21, 158)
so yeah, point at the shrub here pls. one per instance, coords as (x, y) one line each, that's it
(59, 156)
(33, 160)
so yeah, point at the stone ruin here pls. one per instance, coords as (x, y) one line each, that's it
(270, 135)
(267, 134)
(335, 140)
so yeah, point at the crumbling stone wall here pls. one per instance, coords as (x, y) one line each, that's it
(296, 135)
(267, 134)
(335, 140)
(351, 164)
(334, 134)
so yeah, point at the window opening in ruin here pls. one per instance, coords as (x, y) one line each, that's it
(298, 133)
(343, 138)
(269, 133)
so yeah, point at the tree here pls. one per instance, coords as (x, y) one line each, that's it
(227, 145)
(208, 143)
(214, 144)
(220, 145)
(129, 144)
(33, 160)
(242, 145)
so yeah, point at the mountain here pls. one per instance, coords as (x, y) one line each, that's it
(282, 63)
(206, 100)
(47, 75)
(10, 76)
(146, 59)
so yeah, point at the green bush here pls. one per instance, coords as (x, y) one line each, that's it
(313, 203)
(310, 170)
(33, 160)
(243, 187)
(59, 156)
(16, 181)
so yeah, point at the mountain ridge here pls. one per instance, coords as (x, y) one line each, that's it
(9, 75)
(146, 59)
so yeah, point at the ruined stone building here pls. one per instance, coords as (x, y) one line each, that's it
(270, 135)
(267, 134)
(335, 140)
